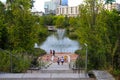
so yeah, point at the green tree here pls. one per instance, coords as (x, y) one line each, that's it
(100, 30)
(3, 30)
(22, 26)
(91, 32)
(19, 30)
(60, 22)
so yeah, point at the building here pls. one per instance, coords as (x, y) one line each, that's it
(50, 7)
(35, 12)
(68, 11)
(64, 2)
(60, 7)
(38, 13)
(61, 2)
(58, 2)
(112, 6)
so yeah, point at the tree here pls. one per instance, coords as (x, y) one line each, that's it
(19, 30)
(60, 22)
(3, 29)
(91, 31)
(21, 25)
(101, 36)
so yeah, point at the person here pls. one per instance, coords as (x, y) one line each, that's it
(52, 58)
(58, 61)
(62, 60)
(47, 58)
(65, 58)
(53, 52)
(50, 52)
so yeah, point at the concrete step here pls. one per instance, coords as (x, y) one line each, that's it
(56, 71)
(61, 71)
(48, 79)
(46, 76)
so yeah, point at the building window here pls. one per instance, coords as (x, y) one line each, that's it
(62, 10)
(71, 10)
(67, 10)
(58, 11)
(76, 10)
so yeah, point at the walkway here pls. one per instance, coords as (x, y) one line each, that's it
(53, 72)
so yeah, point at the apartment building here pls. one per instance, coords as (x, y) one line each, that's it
(112, 6)
(68, 11)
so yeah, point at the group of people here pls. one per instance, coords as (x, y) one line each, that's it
(52, 52)
(60, 60)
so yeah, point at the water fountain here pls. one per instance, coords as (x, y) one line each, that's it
(60, 43)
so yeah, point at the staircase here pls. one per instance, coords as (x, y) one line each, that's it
(53, 72)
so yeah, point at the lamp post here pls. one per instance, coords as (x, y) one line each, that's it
(86, 59)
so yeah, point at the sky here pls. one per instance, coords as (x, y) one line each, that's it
(39, 4)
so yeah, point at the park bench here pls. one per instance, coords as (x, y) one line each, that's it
(34, 68)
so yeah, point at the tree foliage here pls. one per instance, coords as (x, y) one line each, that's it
(100, 29)
(19, 30)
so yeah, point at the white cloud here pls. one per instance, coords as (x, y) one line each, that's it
(74, 2)
(39, 5)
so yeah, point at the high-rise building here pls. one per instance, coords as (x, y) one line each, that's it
(64, 2)
(50, 7)
(58, 2)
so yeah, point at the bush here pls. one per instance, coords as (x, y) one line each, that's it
(39, 52)
(19, 62)
(78, 51)
(4, 62)
(116, 72)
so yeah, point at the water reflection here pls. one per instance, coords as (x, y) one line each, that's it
(60, 43)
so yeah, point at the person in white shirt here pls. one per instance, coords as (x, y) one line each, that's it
(62, 60)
